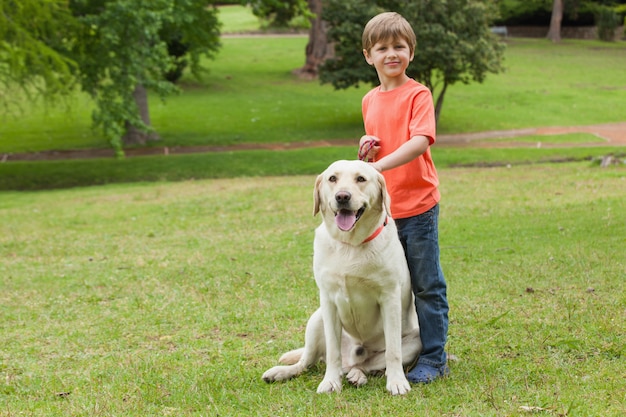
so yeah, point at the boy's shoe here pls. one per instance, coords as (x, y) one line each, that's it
(425, 374)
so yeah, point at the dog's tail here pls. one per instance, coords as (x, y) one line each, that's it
(291, 357)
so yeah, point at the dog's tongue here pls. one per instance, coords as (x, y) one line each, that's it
(345, 219)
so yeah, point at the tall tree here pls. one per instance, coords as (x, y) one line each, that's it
(318, 48)
(554, 33)
(116, 50)
(279, 13)
(454, 42)
(123, 54)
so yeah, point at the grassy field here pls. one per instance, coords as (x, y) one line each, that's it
(171, 299)
(231, 107)
(40, 175)
(250, 96)
(238, 19)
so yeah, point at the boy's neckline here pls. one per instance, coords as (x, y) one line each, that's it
(383, 89)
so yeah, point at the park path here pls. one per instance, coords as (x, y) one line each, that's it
(613, 134)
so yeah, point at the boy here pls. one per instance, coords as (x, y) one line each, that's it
(399, 122)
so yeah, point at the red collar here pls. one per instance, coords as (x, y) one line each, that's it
(377, 231)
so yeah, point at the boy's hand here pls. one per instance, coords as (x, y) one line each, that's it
(368, 148)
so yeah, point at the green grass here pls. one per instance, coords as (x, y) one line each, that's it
(238, 19)
(572, 83)
(250, 96)
(173, 298)
(77, 173)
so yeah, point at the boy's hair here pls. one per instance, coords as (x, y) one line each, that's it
(388, 25)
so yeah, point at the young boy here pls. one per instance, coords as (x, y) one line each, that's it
(399, 120)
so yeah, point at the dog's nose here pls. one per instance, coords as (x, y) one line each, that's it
(342, 197)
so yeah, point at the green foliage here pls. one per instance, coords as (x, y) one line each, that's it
(607, 20)
(346, 22)
(278, 13)
(112, 46)
(454, 43)
(34, 39)
(124, 43)
(523, 11)
(538, 12)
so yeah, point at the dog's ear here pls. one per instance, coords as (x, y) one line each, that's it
(384, 195)
(316, 194)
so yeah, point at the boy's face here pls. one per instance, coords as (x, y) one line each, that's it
(390, 57)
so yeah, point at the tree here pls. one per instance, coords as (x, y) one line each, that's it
(318, 48)
(116, 50)
(279, 14)
(33, 49)
(454, 42)
(123, 53)
(554, 33)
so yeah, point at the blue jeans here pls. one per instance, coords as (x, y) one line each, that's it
(420, 238)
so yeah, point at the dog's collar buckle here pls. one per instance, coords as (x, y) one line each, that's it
(377, 231)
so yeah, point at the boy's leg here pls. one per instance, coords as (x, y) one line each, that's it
(419, 236)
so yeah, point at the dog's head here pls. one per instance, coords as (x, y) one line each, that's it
(352, 197)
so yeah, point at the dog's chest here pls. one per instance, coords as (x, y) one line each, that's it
(349, 279)
(358, 306)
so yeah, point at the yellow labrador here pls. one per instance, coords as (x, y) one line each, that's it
(367, 320)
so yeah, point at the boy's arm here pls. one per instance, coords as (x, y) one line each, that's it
(407, 152)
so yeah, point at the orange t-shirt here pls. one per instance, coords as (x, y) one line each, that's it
(394, 117)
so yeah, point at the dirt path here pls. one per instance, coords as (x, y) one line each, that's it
(614, 134)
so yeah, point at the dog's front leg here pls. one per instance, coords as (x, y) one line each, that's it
(332, 334)
(397, 384)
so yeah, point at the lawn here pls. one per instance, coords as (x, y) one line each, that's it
(237, 19)
(251, 96)
(173, 298)
(233, 105)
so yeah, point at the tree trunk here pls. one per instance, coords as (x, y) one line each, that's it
(554, 33)
(318, 49)
(134, 135)
(439, 102)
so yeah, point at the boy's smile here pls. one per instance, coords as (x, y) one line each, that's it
(390, 58)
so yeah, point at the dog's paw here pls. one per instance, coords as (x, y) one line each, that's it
(327, 386)
(356, 377)
(398, 386)
(278, 373)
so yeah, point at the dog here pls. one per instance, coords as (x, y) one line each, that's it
(366, 322)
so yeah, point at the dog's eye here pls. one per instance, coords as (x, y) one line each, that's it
(332, 178)
(360, 178)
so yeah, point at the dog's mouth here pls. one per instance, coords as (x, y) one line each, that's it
(346, 219)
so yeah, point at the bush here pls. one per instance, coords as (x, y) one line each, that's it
(606, 21)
